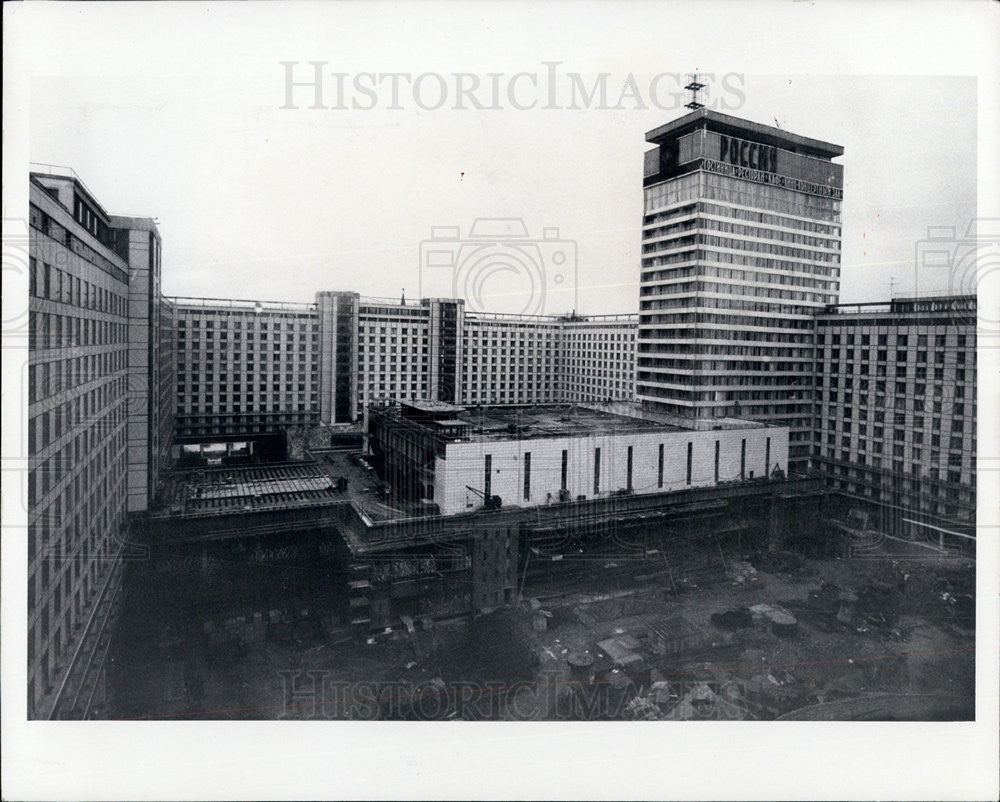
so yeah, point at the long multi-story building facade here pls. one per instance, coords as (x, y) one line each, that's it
(895, 411)
(100, 419)
(740, 249)
(257, 367)
(254, 367)
(245, 367)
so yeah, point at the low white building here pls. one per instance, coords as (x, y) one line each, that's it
(530, 456)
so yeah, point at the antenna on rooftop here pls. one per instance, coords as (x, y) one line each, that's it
(402, 300)
(694, 88)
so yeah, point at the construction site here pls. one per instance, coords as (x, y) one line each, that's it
(306, 589)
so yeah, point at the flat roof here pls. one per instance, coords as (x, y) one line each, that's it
(726, 123)
(518, 423)
(904, 306)
(132, 222)
(40, 172)
(523, 422)
(432, 406)
(364, 488)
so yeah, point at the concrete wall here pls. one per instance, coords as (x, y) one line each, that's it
(142, 332)
(338, 356)
(77, 459)
(464, 465)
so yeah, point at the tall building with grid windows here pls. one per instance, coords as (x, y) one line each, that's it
(896, 412)
(511, 359)
(597, 358)
(740, 249)
(245, 367)
(261, 367)
(100, 422)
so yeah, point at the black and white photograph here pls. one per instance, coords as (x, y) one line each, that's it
(501, 400)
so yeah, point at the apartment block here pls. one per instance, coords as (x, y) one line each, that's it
(257, 367)
(245, 367)
(597, 358)
(100, 409)
(895, 412)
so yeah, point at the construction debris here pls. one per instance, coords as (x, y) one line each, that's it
(780, 620)
(742, 573)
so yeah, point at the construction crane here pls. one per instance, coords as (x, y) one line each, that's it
(489, 502)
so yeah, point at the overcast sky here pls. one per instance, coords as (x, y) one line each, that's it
(258, 201)
(172, 110)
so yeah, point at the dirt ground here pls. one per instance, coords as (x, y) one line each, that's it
(920, 653)
(868, 639)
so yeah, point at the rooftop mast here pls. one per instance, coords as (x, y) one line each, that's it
(694, 88)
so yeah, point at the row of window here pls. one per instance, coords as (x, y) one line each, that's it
(916, 438)
(916, 395)
(757, 216)
(254, 324)
(105, 436)
(46, 330)
(52, 284)
(940, 340)
(895, 475)
(46, 379)
(50, 425)
(759, 232)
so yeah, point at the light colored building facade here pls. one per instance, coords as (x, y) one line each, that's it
(896, 411)
(459, 458)
(740, 249)
(393, 354)
(597, 358)
(245, 367)
(97, 387)
(254, 367)
(511, 359)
